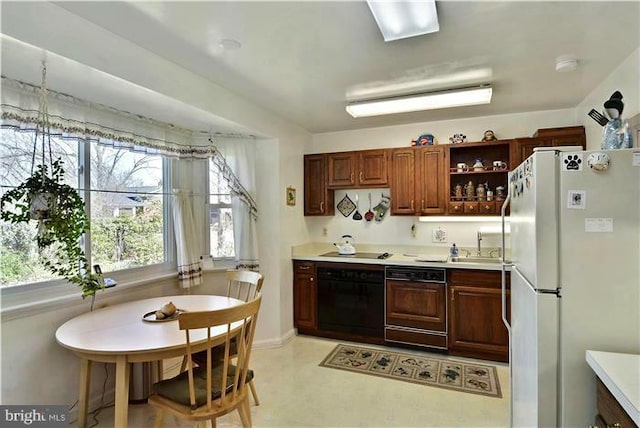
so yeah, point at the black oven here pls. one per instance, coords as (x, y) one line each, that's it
(351, 300)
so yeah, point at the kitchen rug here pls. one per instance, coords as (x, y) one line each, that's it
(425, 370)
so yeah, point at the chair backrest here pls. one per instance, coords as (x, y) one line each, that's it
(243, 284)
(238, 322)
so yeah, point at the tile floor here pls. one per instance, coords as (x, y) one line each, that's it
(295, 392)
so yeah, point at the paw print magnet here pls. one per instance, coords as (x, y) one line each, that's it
(572, 162)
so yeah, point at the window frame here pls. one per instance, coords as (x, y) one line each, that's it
(41, 292)
(225, 261)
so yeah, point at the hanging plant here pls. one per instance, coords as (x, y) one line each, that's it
(59, 210)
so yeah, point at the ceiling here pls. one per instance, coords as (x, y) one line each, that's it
(306, 60)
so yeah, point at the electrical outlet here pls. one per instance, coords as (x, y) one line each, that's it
(324, 231)
(439, 235)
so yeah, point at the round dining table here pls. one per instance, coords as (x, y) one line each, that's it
(122, 334)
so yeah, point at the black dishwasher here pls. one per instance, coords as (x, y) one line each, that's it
(351, 300)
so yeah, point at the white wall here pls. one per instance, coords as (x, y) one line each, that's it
(626, 79)
(505, 126)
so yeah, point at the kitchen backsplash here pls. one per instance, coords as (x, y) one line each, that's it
(396, 230)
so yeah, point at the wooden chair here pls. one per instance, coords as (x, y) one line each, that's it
(206, 392)
(244, 285)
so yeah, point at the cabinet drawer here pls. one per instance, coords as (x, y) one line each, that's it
(610, 410)
(456, 207)
(471, 207)
(414, 337)
(304, 267)
(487, 207)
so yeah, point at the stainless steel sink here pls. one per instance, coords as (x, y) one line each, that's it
(471, 259)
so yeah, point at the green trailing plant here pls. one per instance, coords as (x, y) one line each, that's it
(60, 225)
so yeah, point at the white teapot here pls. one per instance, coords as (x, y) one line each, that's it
(345, 246)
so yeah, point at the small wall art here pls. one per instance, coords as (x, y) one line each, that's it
(291, 196)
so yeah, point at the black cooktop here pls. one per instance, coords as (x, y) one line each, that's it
(358, 255)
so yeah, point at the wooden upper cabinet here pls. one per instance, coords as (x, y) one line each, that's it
(367, 168)
(430, 180)
(372, 168)
(403, 176)
(417, 181)
(549, 137)
(318, 200)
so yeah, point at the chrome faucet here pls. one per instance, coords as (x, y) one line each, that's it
(479, 241)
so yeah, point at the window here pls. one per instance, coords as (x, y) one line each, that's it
(126, 206)
(126, 209)
(19, 259)
(221, 243)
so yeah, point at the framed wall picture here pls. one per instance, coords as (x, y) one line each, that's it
(291, 196)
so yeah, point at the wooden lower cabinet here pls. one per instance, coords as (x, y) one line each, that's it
(610, 412)
(305, 296)
(475, 315)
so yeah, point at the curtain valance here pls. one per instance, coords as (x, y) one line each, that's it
(70, 117)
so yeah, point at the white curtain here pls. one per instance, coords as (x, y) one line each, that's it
(188, 240)
(240, 156)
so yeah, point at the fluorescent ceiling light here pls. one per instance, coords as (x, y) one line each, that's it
(418, 102)
(402, 19)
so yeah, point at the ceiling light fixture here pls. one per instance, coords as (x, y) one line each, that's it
(566, 63)
(425, 101)
(230, 44)
(402, 19)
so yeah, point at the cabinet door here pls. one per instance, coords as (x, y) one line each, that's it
(372, 168)
(341, 168)
(430, 181)
(305, 296)
(318, 200)
(403, 181)
(475, 323)
(416, 304)
(525, 146)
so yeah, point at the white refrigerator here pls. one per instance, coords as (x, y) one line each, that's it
(575, 250)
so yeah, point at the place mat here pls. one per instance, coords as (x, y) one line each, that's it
(151, 316)
(425, 370)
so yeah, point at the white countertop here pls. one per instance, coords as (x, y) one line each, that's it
(620, 373)
(401, 256)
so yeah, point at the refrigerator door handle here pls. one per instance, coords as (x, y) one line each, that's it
(503, 211)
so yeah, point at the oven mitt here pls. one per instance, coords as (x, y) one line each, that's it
(381, 209)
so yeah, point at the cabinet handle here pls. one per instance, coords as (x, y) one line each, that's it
(361, 179)
(453, 296)
(456, 208)
(411, 204)
(486, 207)
(321, 206)
(422, 205)
(471, 207)
(311, 279)
(304, 267)
(352, 177)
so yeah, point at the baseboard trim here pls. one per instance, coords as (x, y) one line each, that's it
(274, 343)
